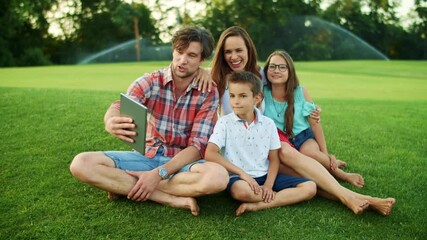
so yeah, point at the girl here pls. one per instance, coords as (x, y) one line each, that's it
(288, 104)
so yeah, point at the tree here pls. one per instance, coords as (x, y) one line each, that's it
(139, 16)
(100, 24)
(23, 33)
(264, 20)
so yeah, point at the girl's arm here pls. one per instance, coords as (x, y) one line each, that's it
(212, 155)
(316, 127)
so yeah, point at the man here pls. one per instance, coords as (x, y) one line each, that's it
(182, 118)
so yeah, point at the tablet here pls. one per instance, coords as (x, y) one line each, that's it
(138, 112)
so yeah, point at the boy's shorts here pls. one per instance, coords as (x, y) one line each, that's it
(300, 139)
(282, 181)
(135, 161)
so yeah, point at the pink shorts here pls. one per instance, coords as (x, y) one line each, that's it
(284, 137)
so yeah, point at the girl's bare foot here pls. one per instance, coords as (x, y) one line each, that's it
(382, 205)
(355, 180)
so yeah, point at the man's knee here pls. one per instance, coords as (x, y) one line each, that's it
(215, 178)
(81, 165)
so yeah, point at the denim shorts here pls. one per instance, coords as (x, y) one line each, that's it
(135, 161)
(282, 181)
(300, 139)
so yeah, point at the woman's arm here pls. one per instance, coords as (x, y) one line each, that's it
(204, 79)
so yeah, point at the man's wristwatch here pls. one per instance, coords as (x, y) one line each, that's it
(163, 173)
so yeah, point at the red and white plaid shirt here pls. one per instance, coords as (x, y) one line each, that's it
(175, 124)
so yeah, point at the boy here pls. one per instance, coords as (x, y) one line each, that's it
(249, 144)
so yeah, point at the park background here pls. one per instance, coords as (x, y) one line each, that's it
(69, 31)
(363, 62)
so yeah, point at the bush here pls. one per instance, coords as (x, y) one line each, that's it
(33, 57)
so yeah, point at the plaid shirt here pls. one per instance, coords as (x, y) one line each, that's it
(175, 123)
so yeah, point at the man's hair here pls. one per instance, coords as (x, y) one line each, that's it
(182, 39)
(246, 78)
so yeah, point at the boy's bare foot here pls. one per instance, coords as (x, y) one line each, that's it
(341, 163)
(113, 196)
(357, 205)
(244, 207)
(187, 203)
(382, 205)
(355, 180)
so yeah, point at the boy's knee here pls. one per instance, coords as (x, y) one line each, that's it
(310, 189)
(240, 195)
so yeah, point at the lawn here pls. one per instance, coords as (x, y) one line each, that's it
(374, 117)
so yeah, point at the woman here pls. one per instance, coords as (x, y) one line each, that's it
(235, 51)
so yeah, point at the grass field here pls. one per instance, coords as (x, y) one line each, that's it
(374, 117)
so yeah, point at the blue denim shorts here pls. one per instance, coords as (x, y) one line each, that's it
(282, 181)
(300, 139)
(135, 161)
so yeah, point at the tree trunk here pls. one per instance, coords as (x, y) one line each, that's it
(136, 31)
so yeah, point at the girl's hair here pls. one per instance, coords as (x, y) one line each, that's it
(290, 87)
(220, 68)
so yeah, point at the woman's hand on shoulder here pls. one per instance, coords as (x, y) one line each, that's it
(204, 80)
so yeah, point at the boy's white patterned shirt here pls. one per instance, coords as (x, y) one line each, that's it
(247, 148)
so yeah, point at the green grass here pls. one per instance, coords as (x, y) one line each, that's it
(374, 117)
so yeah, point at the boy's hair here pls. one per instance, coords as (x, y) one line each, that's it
(182, 39)
(247, 78)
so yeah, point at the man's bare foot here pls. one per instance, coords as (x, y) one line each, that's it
(355, 179)
(341, 163)
(187, 203)
(382, 205)
(113, 196)
(357, 205)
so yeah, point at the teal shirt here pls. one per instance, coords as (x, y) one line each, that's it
(276, 110)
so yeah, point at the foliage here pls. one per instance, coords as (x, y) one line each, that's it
(104, 23)
(264, 20)
(90, 26)
(24, 29)
(123, 16)
(97, 24)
